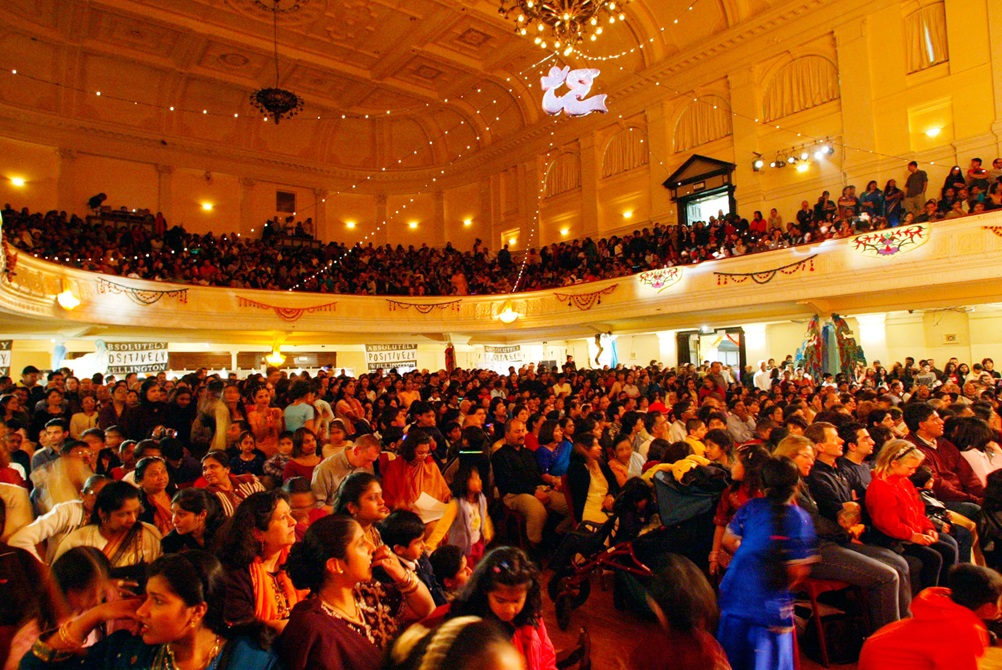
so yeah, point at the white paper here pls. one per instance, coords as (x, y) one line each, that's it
(428, 508)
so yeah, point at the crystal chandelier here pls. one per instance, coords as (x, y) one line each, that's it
(276, 102)
(570, 22)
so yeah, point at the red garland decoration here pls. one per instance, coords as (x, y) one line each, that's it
(585, 301)
(996, 230)
(141, 296)
(287, 313)
(765, 276)
(424, 308)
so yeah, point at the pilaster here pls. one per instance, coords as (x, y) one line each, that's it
(64, 183)
(248, 221)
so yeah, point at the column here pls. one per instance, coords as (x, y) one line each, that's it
(66, 199)
(380, 234)
(856, 82)
(662, 208)
(590, 174)
(995, 51)
(165, 192)
(872, 338)
(320, 230)
(248, 220)
(437, 233)
(746, 105)
(756, 343)
(667, 347)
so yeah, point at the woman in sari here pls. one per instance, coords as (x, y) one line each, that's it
(153, 480)
(229, 488)
(414, 473)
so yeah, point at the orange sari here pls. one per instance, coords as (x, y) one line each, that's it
(403, 483)
(268, 605)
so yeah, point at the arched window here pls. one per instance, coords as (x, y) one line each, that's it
(806, 82)
(563, 174)
(702, 121)
(626, 150)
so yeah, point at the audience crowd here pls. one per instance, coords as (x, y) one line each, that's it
(274, 263)
(324, 521)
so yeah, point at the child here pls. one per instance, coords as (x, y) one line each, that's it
(773, 541)
(695, 430)
(126, 456)
(250, 461)
(747, 484)
(963, 530)
(505, 589)
(403, 533)
(719, 447)
(452, 570)
(466, 523)
(275, 465)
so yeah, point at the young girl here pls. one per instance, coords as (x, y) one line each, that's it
(250, 461)
(773, 542)
(719, 447)
(505, 589)
(747, 477)
(466, 523)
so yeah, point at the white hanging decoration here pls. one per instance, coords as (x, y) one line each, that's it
(576, 101)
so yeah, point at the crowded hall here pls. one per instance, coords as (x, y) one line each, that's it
(500, 334)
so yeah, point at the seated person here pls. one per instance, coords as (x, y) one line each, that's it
(947, 630)
(695, 429)
(452, 570)
(403, 533)
(414, 473)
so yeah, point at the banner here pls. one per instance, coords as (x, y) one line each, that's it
(5, 357)
(140, 357)
(403, 357)
(499, 359)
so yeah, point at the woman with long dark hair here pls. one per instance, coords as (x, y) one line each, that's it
(154, 482)
(196, 515)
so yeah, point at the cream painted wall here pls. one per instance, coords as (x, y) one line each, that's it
(191, 189)
(127, 183)
(38, 165)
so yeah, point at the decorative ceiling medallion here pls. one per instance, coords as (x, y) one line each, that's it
(427, 72)
(287, 11)
(234, 60)
(473, 37)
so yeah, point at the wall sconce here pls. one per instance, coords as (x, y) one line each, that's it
(931, 133)
(350, 225)
(628, 214)
(467, 222)
(66, 299)
(507, 314)
(207, 206)
(412, 225)
(17, 181)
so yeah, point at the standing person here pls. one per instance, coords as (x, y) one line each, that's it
(350, 618)
(300, 412)
(466, 523)
(746, 475)
(773, 543)
(180, 623)
(266, 422)
(915, 186)
(66, 517)
(505, 589)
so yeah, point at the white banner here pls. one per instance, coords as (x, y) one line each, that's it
(140, 357)
(403, 357)
(5, 357)
(499, 359)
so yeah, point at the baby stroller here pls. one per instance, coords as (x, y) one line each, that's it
(608, 546)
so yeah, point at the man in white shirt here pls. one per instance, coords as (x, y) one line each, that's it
(740, 424)
(763, 378)
(683, 411)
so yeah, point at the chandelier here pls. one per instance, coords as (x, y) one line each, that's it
(570, 22)
(276, 102)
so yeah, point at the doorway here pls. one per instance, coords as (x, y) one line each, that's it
(712, 204)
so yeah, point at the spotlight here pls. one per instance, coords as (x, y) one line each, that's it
(791, 159)
(828, 149)
(804, 155)
(819, 154)
(772, 164)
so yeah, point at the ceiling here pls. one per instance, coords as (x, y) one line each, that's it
(451, 73)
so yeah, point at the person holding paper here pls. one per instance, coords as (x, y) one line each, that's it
(414, 473)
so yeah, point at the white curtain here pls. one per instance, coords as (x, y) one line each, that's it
(807, 82)
(702, 121)
(925, 37)
(564, 174)
(626, 150)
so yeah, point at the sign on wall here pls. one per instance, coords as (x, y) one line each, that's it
(403, 357)
(5, 357)
(500, 359)
(139, 357)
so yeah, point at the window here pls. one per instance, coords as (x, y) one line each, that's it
(925, 37)
(285, 202)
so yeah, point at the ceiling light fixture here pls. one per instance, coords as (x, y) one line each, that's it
(569, 21)
(276, 102)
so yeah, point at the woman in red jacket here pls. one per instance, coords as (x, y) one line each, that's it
(899, 515)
